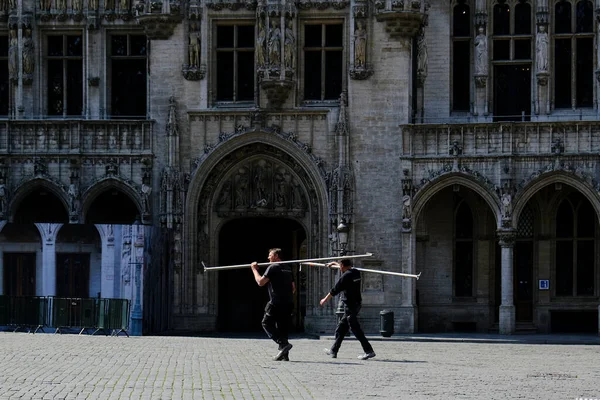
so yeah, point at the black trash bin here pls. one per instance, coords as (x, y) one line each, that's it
(387, 323)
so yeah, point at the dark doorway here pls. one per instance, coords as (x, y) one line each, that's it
(574, 321)
(72, 275)
(512, 92)
(241, 300)
(523, 281)
(112, 207)
(19, 274)
(41, 206)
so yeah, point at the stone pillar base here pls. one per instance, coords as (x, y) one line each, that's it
(405, 319)
(507, 320)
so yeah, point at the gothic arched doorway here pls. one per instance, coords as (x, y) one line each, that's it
(241, 300)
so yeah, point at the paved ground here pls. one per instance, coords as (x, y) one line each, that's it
(45, 366)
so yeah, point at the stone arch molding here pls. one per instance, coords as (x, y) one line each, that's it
(448, 176)
(27, 186)
(290, 169)
(585, 183)
(133, 191)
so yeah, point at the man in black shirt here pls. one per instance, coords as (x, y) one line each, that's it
(278, 310)
(349, 286)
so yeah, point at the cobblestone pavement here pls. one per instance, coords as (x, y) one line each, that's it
(45, 366)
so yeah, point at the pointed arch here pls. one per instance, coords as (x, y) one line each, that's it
(424, 194)
(545, 179)
(103, 185)
(29, 186)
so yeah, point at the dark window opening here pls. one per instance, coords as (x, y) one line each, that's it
(562, 17)
(4, 78)
(461, 76)
(323, 61)
(585, 72)
(575, 247)
(585, 17)
(562, 70)
(462, 21)
(463, 251)
(64, 63)
(128, 76)
(235, 78)
(501, 19)
(523, 18)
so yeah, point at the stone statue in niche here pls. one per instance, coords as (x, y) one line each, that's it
(290, 45)
(13, 54)
(241, 189)
(93, 4)
(360, 44)
(406, 213)
(274, 43)
(3, 199)
(73, 198)
(541, 49)
(45, 5)
(77, 6)
(28, 56)
(422, 54)
(124, 6)
(260, 44)
(506, 205)
(61, 5)
(481, 52)
(194, 46)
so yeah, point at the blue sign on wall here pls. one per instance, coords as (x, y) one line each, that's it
(544, 284)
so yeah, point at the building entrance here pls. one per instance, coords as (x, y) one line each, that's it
(241, 300)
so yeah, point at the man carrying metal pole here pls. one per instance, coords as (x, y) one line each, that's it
(349, 286)
(278, 311)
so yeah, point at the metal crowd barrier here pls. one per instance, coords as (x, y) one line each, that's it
(28, 312)
(97, 314)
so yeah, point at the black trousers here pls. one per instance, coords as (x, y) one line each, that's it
(350, 321)
(276, 322)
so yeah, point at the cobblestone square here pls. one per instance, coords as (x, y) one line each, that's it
(46, 366)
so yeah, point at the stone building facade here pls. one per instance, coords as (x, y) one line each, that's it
(457, 139)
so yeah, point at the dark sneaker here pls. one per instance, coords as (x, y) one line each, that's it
(330, 353)
(366, 356)
(286, 358)
(283, 352)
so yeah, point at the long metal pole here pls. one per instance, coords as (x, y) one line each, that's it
(368, 270)
(284, 262)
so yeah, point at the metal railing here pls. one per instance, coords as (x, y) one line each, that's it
(36, 313)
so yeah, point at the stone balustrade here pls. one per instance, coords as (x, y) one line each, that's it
(76, 137)
(501, 139)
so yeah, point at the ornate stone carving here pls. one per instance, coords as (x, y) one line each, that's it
(401, 22)
(277, 91)
(158, 26)
(455, 149)
(481, 52)
(557, 146)
(28, 56)
(506, 238)
(323, 4)
(541, 49)
(194, 70)
(421, 57)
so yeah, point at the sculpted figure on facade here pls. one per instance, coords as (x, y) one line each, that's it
(241, 190)
(360, 44)
(73, 198)
(45, 5)
(274, 43)
(13, 54)
(290, 45)
(260, 44)
(77, 6)
(109, 5)
(506, 205)
(93, 5)
(194, 46)
(28, 52)
(481, 52)
(61, 5)
(3, 199)
(406, 212)
(146, 190)
(422, 57)
(3, 5)
(124, 6)
(541, 49)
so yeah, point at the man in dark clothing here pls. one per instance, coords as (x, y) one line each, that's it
(349, 286)
(278, 311)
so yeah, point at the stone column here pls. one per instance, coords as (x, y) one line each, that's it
(2, 224)
(408, 320)
(48, 232)
(507, 307)
(107, 283)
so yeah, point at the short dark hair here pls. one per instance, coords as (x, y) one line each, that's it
(276, 251)
(346, 262)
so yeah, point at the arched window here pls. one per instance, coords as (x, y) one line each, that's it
(573, 54)
(463, 251)
(575, 247)
(461, 57)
